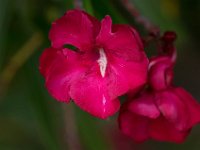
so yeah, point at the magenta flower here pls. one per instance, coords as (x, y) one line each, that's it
(107, 62)
(162, 112)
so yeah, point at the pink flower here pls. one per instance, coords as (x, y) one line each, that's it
(107, 62)
(162, 111)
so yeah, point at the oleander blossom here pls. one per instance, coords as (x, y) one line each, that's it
(107, 61)
(162, 111)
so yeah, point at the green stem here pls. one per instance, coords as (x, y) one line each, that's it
(71, 129)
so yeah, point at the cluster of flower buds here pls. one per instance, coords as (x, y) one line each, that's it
(161, 110)
(93, 63)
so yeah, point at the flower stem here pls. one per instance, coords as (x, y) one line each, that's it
(152, 29)
(147, 24)
(18, 60)
(71, 131)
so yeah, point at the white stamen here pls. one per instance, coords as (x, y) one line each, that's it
(102, 61)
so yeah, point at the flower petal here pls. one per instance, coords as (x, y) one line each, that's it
(76, 28)
(60, 67)
(162, 130)
(134, 126)
(123, 75)
(47, 58)
(90, 94)
(120, 40)
(173, 109)
(161, 73)
(144, 105)
(193, 106)
(127, 62)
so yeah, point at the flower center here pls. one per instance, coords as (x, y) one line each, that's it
(102, 61)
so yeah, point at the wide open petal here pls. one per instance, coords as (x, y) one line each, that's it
(127, 63)
(123, 76)
(120, 40)
(193, 107)
(60, 67)
(162, 130)
(144, 105)
(173, 109)
(47, 58)
(76, 28)
(90, 94)
(133, 125)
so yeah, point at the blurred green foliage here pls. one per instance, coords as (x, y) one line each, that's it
(30, 119)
